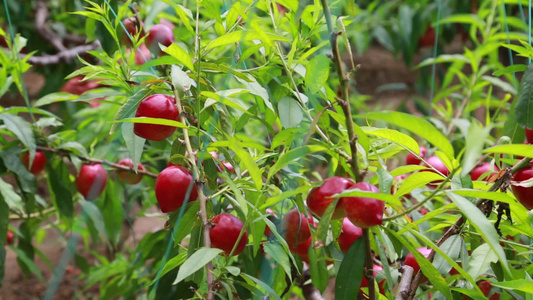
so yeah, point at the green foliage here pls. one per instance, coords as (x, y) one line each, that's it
(260, 94)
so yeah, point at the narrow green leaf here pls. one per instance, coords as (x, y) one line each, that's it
(351, 272)
(241, 36)
(394, 136)
(379, 196)
(59, 183)
(180, 54)
(318, 268)
(293, 154)
(417, 180)
(95, 215)
(483, 227)
(522, 285)
(12, 199)
(290, 113)
(156, 121)
(325, 220)
(263, 285)
(416, 125)
(195, 262)
(317, 73)
(524, 102)
(28, 262)
(480, 260)
(173, 263)
(513, 149)
(475, 139)
(134, 144)
(277, 252)
(112, 213)
(130, 106)
(4, 223)
(22, 130)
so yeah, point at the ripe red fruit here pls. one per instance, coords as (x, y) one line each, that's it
(302, 249)
(225, 232)
(10, 237)
(411, 261)
(91, 181)
(411, 159)
(295, 227)
(523, 194)
(39, 162)
(437, 163)
(364, 212)
(159, 34)
(320, 198)
(76, 86)
(156, 106)
(133, 28)
(142, 54)
(476, 173)
(171, 188)
(485, 286)
(529, 135)
(428, 39)
(129, 177)
(272, 217)
(349, 234)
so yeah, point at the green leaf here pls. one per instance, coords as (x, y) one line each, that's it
(59, 182)
(156, 121)
(394, 136)
(4, 223)
(293, 154)
(95, 215)
(173, 263)
(325, 220)
(130, 106)
(290, 113)
(483, 226)
(263, 285)
(524, 104)
(351, 271)
(134, 143)
(513, 149)
(510, 69)
(22, 130)
(277, 252)
(480, 260)
(12, 199)
(28, 262)
(180, 79)
(242, 36)
(112, 212)
(522, 285)
(378, 196)
(464, 19)
(177, 52)
(318, 268)
(475, 139)
(196, 261)
(317, 73)
(416, 125)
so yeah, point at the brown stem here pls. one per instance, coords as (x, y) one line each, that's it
(64, 152)
(344, 100)
(369, 266)
(41, 15)
(405, 283)
(64, 56)
(201, 197)
(456, 227)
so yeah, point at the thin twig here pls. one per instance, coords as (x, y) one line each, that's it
(405, 283)
(66, 153)
(63, 56)
(41, 15)
(201, 197)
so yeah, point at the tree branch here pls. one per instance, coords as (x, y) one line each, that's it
(405, 283)
(64, 56)
(41, 15)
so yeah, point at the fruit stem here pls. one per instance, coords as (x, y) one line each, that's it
(369, 266)
(344, 100)
(454, 229)
(201, 197)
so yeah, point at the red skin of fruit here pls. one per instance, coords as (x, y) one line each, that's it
(91, 181)
(428, 39)
(159, 34)
(381, 284)
(302, 249)
(268, 231)
(76, 86)
(523, 194)
(320, 198)
(133, 28)
(485, 287)
(437, 163)
(228, 166)
(364, 212)
(156, 106)
(171, 188)
(349, 234)
(295, 227)
(476, 173)
(411, 261)
(129, 177)
(39, 162)
(10, 237)
(529, 135)
(225, 232)
(410, 159)
(142, 55)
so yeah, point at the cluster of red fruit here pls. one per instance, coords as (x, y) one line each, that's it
(524, 194)
(158, 34)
